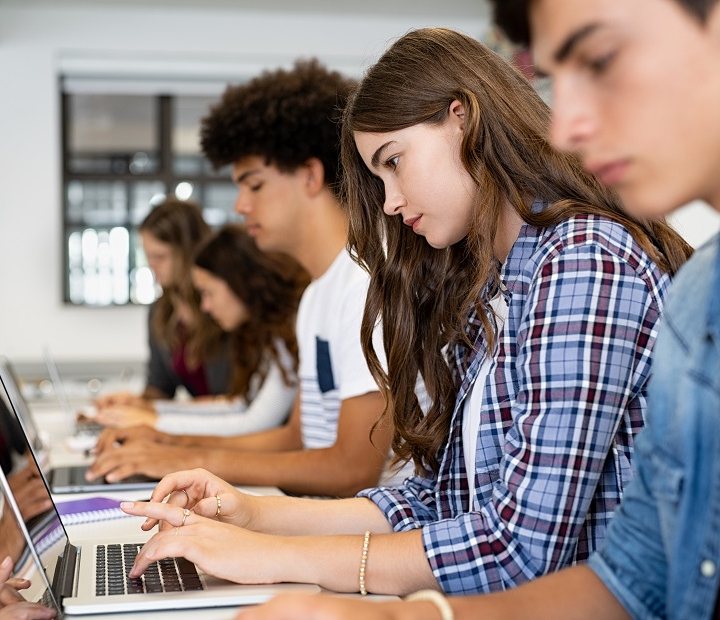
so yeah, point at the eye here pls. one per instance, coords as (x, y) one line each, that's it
(392, 162)
(600, 64)
(255, 188)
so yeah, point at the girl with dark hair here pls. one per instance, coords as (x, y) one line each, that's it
(186, 346)
(253, 296)
(525, 298)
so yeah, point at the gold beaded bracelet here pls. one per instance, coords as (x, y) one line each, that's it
(363, 562)
(437, 599)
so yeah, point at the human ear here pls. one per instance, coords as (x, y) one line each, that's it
(457, 109)
(314, 175)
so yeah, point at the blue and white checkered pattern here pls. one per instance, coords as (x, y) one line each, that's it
(562, 404)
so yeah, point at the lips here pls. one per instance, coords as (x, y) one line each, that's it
(610, 173)
(412, 222)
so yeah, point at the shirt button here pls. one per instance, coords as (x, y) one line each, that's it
(707, 568)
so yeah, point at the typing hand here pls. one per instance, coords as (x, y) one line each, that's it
(219, 549)
(118, 398)
(12, 605)
(139, 457)
(110, 437)
(202, 492)
(121, 416)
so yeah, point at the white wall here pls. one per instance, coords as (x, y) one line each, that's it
(37, 39)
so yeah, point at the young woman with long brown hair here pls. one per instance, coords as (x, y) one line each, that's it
(253, 296)
(522, 294)
(187, 347)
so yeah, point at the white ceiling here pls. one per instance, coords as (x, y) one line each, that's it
(455, 8)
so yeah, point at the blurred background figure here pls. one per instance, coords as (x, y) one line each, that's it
(187, 347)
(253, 296)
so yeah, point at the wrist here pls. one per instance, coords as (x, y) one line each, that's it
(437, 600)
(417, 610)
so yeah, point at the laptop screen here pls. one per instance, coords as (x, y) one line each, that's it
(15, 398)
(29, 514)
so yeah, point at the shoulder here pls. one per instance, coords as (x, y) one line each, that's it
(344, 280)
(701, 266)
(583, 240)
(698, 281)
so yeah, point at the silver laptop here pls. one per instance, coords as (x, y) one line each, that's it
(92, 577)
(64, 478)
(77, 426)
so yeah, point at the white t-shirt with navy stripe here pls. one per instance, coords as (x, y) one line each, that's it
(332, 366)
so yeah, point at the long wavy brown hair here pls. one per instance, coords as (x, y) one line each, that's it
(180, 224)
(270, 286)
(422, 295)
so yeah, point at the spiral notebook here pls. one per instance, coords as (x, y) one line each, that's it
(89, 509)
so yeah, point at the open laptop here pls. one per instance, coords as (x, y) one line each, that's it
(64, 478)
(79, 426)
(92, 577)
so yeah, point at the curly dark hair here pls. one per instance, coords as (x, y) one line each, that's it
(285, 116)
(511, 16)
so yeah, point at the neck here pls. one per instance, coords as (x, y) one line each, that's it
(321, 235)
(507, 232)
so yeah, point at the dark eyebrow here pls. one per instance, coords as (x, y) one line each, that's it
(241, 177)
(572, 41)
(377, 154)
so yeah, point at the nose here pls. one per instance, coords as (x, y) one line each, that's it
(242, 203)
(394, 199)
(573, 117)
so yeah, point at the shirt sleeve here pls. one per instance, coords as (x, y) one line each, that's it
(633, 563)
(355, 378)
(583, 343)
(268, 409)
(407, 507)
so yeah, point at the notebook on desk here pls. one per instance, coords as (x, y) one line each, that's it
(64, 478)
(92, 577)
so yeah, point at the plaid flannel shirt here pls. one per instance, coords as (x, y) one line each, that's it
(562, 404)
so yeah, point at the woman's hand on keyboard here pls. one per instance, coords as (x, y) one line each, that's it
(204, 493)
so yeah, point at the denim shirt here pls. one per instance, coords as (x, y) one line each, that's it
(662, 554)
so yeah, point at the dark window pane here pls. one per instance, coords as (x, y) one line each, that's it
(112, 134)
(188, 110)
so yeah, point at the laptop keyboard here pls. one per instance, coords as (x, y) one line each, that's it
(113, 563)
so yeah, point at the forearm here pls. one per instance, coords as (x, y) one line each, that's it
(396, 563)
(326, 472)
(293, 516)
(574, 593)
(274, 440)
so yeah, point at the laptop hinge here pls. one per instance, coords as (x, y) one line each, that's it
(65, 572)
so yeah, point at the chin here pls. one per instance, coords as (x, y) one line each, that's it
(652, 205)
